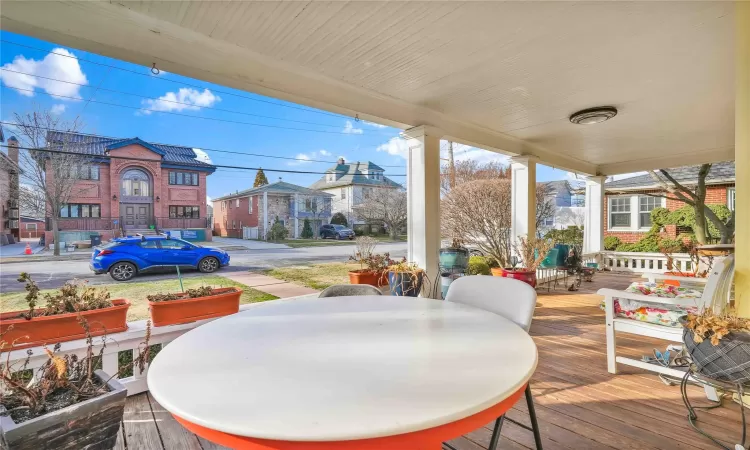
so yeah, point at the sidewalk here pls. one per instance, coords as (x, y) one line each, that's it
(273, 286)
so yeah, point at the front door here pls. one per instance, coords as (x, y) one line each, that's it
(136, 216)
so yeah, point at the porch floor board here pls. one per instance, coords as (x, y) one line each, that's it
(579, 404)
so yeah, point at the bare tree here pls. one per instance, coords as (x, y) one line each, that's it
(387, 207)
(49, 168)
(471, 170)
(33, 202)
(479, 213)
(545, 205)
(695, 196)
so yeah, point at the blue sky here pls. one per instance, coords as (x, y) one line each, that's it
(146, 116)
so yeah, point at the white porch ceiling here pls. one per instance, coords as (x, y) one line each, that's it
(501, 76)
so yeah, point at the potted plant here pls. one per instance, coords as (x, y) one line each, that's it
(66, 403)
(700, 265)
(405, 279)
(718, 342)
(531, 251)
(59, 321)
(454, 258)
(204, 302)
(362, 255)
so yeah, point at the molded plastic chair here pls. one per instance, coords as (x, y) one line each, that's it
(512, 299)
(343, 290)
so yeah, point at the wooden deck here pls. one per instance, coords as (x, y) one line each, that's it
(579, 405)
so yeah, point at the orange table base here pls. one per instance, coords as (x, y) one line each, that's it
(429, 439)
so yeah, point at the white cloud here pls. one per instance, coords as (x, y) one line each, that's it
(306, 158)
(202, 156)
(52, 66)
(396, 146)
(185, 99)
(349, 128)
(373, 124)
(57, 109)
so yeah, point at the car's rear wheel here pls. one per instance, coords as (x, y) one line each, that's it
(122, 271)
(208, 264)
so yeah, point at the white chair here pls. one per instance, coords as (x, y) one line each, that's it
(512, 299)
(718, 283)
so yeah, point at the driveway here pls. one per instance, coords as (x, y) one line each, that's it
(52, 274)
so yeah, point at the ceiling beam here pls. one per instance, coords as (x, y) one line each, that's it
(113, 30)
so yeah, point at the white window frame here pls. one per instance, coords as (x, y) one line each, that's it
(343, 193)
(238, 203)
(250, 205)
(731, 198)
(660, 204)
(609, 212)
(29, 228)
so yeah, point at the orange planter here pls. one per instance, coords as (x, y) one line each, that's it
(223, 302)
(50, 330)
(364, 276)
(527, 276)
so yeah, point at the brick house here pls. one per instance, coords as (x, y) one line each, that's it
(157, 185)
(9, 204)
(351, 184)
(256, 210)
(627, 206)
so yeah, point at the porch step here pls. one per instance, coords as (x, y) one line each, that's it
(145, 232)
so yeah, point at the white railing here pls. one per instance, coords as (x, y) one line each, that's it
(127, 341)
(637, 262)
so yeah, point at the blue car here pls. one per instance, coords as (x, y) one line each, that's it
(125, 257)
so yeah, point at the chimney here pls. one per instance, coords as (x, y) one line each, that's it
(13, 149)
(341, 161)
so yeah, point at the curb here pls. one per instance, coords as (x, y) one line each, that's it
(23, 259)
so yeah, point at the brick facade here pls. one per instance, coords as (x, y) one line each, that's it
(102, 192)
(230, 218)
(715, 195)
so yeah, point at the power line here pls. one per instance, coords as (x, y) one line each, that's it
(206, 149)
(127, 158)
(194, 117)
(99, 88)
(177, 82)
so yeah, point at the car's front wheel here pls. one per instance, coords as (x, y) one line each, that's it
(208, 264)
(122, 271)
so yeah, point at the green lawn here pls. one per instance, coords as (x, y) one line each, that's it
(316, 276)
(136, 292)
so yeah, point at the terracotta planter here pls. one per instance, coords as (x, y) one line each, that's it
(223, 302)
(527, 276)
(62, 327)
(364, 276)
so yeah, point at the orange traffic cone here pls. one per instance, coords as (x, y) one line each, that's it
(28, 249)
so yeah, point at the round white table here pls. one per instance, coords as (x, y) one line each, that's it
(344, 372)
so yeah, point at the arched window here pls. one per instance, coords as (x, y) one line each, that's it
(135, 183)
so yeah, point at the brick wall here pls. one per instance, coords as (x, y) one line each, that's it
(715, 195)
(225, 215)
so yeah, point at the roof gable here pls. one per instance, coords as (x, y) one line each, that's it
(135, 141)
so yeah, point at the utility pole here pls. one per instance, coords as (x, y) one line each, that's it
(451, 166)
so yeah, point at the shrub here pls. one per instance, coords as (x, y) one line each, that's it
(277, 232)
(478, 265)
(307, 231)
(339, 219)
(685, 217)
(611, 242)
(671, 246)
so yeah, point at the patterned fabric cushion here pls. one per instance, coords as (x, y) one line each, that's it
(657, 313)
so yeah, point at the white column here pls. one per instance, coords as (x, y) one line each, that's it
(295, 211)
(265, 215)
(593, 226)
(523, 196)
(423, 191)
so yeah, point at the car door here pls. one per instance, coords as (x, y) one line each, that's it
(148, 251)
(325, 231)
(178, 253)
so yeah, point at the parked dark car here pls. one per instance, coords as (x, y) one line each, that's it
(336, 232)
(124, 258)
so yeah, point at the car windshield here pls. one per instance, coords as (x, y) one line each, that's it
(339, 227)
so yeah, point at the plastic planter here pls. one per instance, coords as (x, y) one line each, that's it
(223, 302)
(527, 276)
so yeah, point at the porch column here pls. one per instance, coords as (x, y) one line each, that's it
(593, 225)
(523, 196)
(423, 201)
(742, 159)
(265, 215)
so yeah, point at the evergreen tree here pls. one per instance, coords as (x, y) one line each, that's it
(307, 232)
(260, 179)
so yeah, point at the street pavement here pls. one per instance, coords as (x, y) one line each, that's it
(52, 274)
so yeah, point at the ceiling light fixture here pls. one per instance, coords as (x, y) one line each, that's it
(593, 115)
